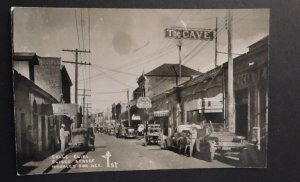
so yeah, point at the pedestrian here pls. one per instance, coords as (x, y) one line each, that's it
(203, 132)
(72, 126)
(193, 137)
(29, 142)
(62, 138)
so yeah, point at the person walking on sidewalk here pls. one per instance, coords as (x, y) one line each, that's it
(62, 138)
(193, 137)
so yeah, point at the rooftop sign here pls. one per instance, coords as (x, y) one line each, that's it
(191, 34)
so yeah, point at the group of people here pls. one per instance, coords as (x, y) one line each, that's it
(196, 136)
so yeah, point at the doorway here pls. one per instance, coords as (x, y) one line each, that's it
(241, 109)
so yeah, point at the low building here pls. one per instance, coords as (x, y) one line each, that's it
(156, 82)
(42, 104)
(205, 98)
(36, 132)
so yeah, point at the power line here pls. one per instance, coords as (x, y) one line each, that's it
(77, 29)
(156, 53)
(116, 80)
(82, 29)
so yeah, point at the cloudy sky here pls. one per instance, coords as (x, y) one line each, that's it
(126, 42)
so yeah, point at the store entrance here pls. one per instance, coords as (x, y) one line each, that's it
(241, 98)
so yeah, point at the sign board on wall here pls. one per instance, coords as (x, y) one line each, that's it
(191, 34)
(64, 109)
(144, 103)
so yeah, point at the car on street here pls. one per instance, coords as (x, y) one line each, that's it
(130, 133)
(180, 139)
(213, 139)
(111, 131)
(153, 134)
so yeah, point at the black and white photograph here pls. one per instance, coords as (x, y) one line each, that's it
(116, 89)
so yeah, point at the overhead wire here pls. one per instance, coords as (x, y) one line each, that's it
(156, 53)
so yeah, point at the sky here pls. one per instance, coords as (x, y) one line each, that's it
(124, 43)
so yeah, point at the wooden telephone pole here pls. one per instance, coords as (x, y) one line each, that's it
(76, 67)
(216, 44)
(84, 103)
(231, 99)
(128, 108)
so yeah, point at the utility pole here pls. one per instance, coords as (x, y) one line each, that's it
(216, 43)
(76, 67)
(179, 44)
(87, 110)
(128, 108)
(83, 100)
(231, 99)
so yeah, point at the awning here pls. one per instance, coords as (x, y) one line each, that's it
(60, 109)
(161, 113)
(135, 117)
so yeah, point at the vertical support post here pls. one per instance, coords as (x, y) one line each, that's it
(223, 97)
(179, 47)
(231, 99)
(83, 109)
(216, 43)
(76, 76)
(179, 44)
(128, 108)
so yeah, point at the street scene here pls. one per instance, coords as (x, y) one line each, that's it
(139, 89)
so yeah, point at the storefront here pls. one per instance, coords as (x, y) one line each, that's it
(162, 117)
(251, 93)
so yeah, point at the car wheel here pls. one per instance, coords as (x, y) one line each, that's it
(166, 145)
(211, 156)
(180, 148)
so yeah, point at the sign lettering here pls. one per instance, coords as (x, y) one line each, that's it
(144, 103)
(192, 34)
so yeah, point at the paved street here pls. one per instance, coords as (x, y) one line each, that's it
(126, 154)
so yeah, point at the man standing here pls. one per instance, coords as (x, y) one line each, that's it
(73, 126)
(193, 137)
(62, 138)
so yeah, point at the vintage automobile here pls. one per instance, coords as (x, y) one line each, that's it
(153, 134)
(180, 139)
(130, 133)
(120, 131)
(213, 139)
(111, 131)
(82, 139)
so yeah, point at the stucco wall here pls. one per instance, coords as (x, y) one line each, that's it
(48, 76)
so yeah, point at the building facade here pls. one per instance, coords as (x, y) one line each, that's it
(153, 84)
(205, 98)
(42, 104)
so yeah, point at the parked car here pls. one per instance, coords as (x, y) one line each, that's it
(153, 134)
(216, 140)
(82, 138)
(130, 133)
(180, 139)
(121, 131)
(111, 131)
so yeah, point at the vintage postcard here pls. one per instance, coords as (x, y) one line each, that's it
(139, 89)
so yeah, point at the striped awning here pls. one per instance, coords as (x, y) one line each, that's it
(161, 113)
